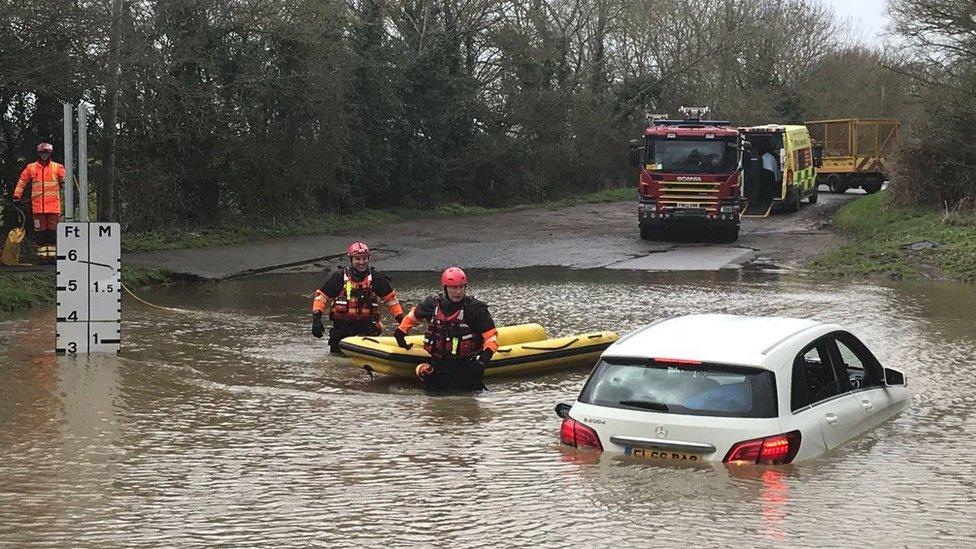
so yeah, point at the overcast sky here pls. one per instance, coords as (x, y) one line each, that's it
(868, 17)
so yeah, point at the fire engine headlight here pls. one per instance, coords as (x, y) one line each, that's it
(730, 209)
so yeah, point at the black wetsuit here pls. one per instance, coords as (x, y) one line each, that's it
(345, 328)
(459, 373)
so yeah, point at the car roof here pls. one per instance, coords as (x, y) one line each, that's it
(724, 339)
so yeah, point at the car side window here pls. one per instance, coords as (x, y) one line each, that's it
(857, 362)
(814, 378)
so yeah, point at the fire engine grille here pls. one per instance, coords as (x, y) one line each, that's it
(684, 193)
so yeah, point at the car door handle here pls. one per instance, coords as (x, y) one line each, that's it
(868, 405)
(831, 418)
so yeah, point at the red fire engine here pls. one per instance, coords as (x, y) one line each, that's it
(689, 176)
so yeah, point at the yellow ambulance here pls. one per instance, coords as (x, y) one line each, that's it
(779, 172)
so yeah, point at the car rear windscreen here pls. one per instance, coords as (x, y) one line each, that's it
(689, 389)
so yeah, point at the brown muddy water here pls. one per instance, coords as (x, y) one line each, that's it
(229, 425)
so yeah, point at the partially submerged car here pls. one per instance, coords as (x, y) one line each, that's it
(734, 389)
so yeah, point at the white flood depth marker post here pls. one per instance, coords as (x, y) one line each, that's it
(89, 305)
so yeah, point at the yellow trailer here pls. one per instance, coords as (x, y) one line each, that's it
(856, 151)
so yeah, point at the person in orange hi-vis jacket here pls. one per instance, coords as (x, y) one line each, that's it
(351, 297)
(461, 336)
(46, 178)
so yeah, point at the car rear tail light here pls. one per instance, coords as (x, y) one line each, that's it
(765, 451)
(677, 361)
(574, 433)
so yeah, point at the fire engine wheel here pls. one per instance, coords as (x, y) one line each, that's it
(730, 234)
(871, 188)
(648, 233)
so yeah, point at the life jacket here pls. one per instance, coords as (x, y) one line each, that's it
(356, 300)
(448, 336)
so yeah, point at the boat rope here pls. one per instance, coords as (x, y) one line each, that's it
(144, 302)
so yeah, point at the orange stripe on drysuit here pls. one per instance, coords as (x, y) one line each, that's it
(491, 339)
(409, 321)
(392, 303)
(321, 302)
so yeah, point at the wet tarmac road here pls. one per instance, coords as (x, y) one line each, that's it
(581, 237)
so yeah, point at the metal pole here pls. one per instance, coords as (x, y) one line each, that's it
(69, 187)
(82, 162)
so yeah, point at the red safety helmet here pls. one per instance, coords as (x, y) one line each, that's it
(452, 276)
(45, 147)
(357, 248)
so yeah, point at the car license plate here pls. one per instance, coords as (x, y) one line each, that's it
(687, 205)
(668, 455)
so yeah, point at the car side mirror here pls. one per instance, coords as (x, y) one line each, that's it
(894, 377)
(562, 409)
(817, 155)
(635, 153)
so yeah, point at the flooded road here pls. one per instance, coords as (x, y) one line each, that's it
(228, 424)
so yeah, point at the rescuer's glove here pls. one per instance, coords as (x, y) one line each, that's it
(375, 329)
(482, 358)
(401, 339)
(317, 328)
(399, 318)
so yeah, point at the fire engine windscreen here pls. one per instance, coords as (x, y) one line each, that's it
(692, 156)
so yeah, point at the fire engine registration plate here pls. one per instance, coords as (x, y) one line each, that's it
(687, 206)
(653, 453)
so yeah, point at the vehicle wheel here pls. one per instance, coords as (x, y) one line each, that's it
(871, 188)
(723, 234)
(837, 184)
(814, 195)
(731, 234)
(795, 200)
(647, 232)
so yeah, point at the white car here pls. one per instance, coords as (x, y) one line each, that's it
(734, 389)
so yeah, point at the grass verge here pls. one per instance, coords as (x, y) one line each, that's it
(881, 238)
(22, 291)
(327, 223)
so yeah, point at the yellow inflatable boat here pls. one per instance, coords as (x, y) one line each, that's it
(522, 349)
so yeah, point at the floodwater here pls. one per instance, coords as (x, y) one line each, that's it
(227, 424)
